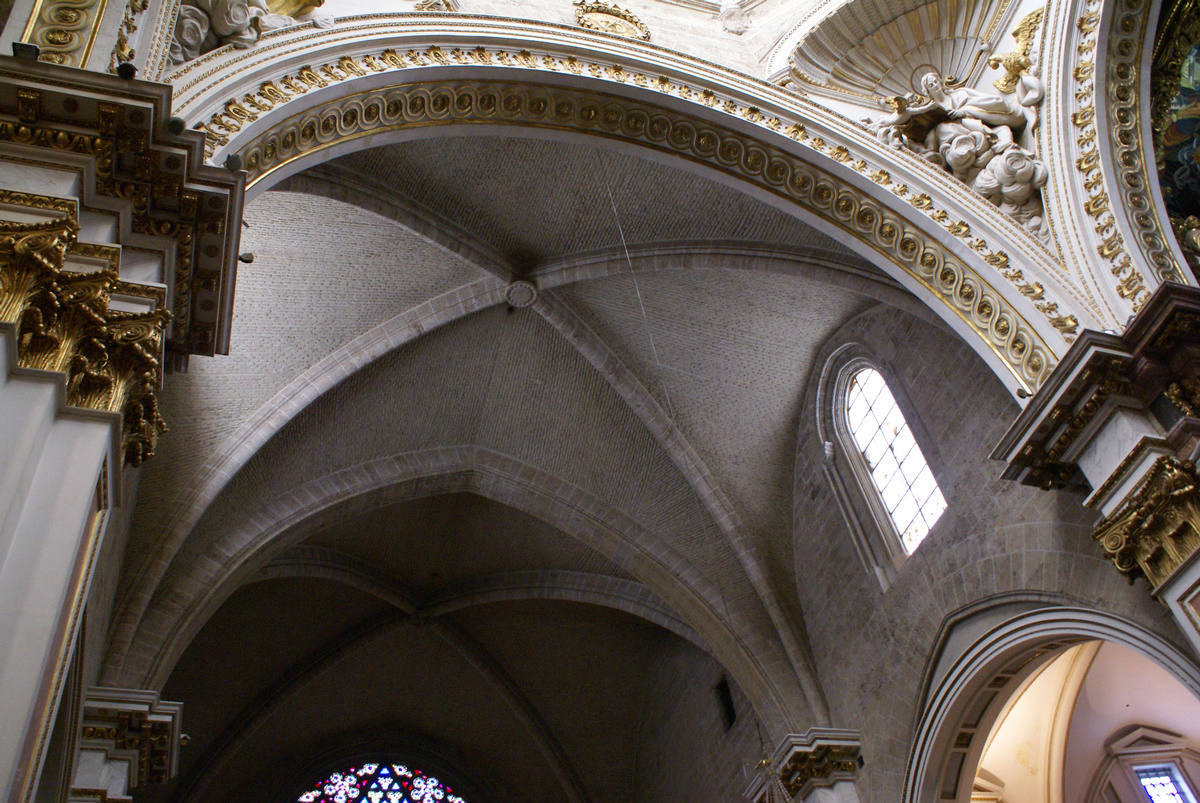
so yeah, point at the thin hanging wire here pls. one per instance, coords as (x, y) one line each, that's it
(636, 287)
(670, 408)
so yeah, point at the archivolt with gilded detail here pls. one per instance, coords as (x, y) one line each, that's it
(395, 108)
(931, 194)
(1126, 37)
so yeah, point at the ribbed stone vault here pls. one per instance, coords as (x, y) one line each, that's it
(577, 515)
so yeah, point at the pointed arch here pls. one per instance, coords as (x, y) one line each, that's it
(998, 659)
(196, 587)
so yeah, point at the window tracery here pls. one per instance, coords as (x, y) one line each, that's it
(1146, 764)
(893, 459)
(380, 783)
(1163, 784)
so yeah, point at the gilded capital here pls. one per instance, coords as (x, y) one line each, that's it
(1157, 527)
(63, 323)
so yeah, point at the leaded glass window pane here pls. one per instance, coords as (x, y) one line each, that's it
(898, 469)
(1163, 785)
(380, 783)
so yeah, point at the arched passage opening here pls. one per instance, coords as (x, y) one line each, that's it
(1061, 706)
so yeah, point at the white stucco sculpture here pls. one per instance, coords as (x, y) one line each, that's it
(980, 137)
(204, 25)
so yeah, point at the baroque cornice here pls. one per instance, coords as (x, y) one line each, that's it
(117, 128)
(836, 201)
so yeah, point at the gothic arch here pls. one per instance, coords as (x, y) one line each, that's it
(184, 601)
(281, 109)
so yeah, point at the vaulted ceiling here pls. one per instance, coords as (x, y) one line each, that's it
(518, 543)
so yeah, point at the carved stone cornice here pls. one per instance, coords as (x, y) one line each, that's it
(62, 321)
(1157, 527)
(118, 128)
(1154, 367)
(135, 724)
(821, 765)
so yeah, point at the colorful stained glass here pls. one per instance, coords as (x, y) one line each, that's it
(380, 783)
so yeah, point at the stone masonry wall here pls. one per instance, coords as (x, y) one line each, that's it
(996, 540)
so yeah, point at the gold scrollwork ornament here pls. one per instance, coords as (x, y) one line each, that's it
(612, 19)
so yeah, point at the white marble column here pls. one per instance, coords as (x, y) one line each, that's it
(51, 469)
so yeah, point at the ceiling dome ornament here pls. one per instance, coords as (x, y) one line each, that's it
(612, 19)
(520, 293)
(861, 49)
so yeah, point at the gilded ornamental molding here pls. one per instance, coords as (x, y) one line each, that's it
(123, 50)
(1131, 284)
(201, 84)
(1125, 101)
(820, 757)
(608, 18)
(1118, 133)
(119, 128)
(835, 200)
(64, 30)
(63, 324)
(136, 732)
(1157, 527)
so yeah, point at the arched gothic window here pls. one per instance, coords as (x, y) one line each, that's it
(380, 783)
(892, 458)
(881, 480)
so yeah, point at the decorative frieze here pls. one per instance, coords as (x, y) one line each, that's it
(1125, 104)
(64, 30)
(1121, 133)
